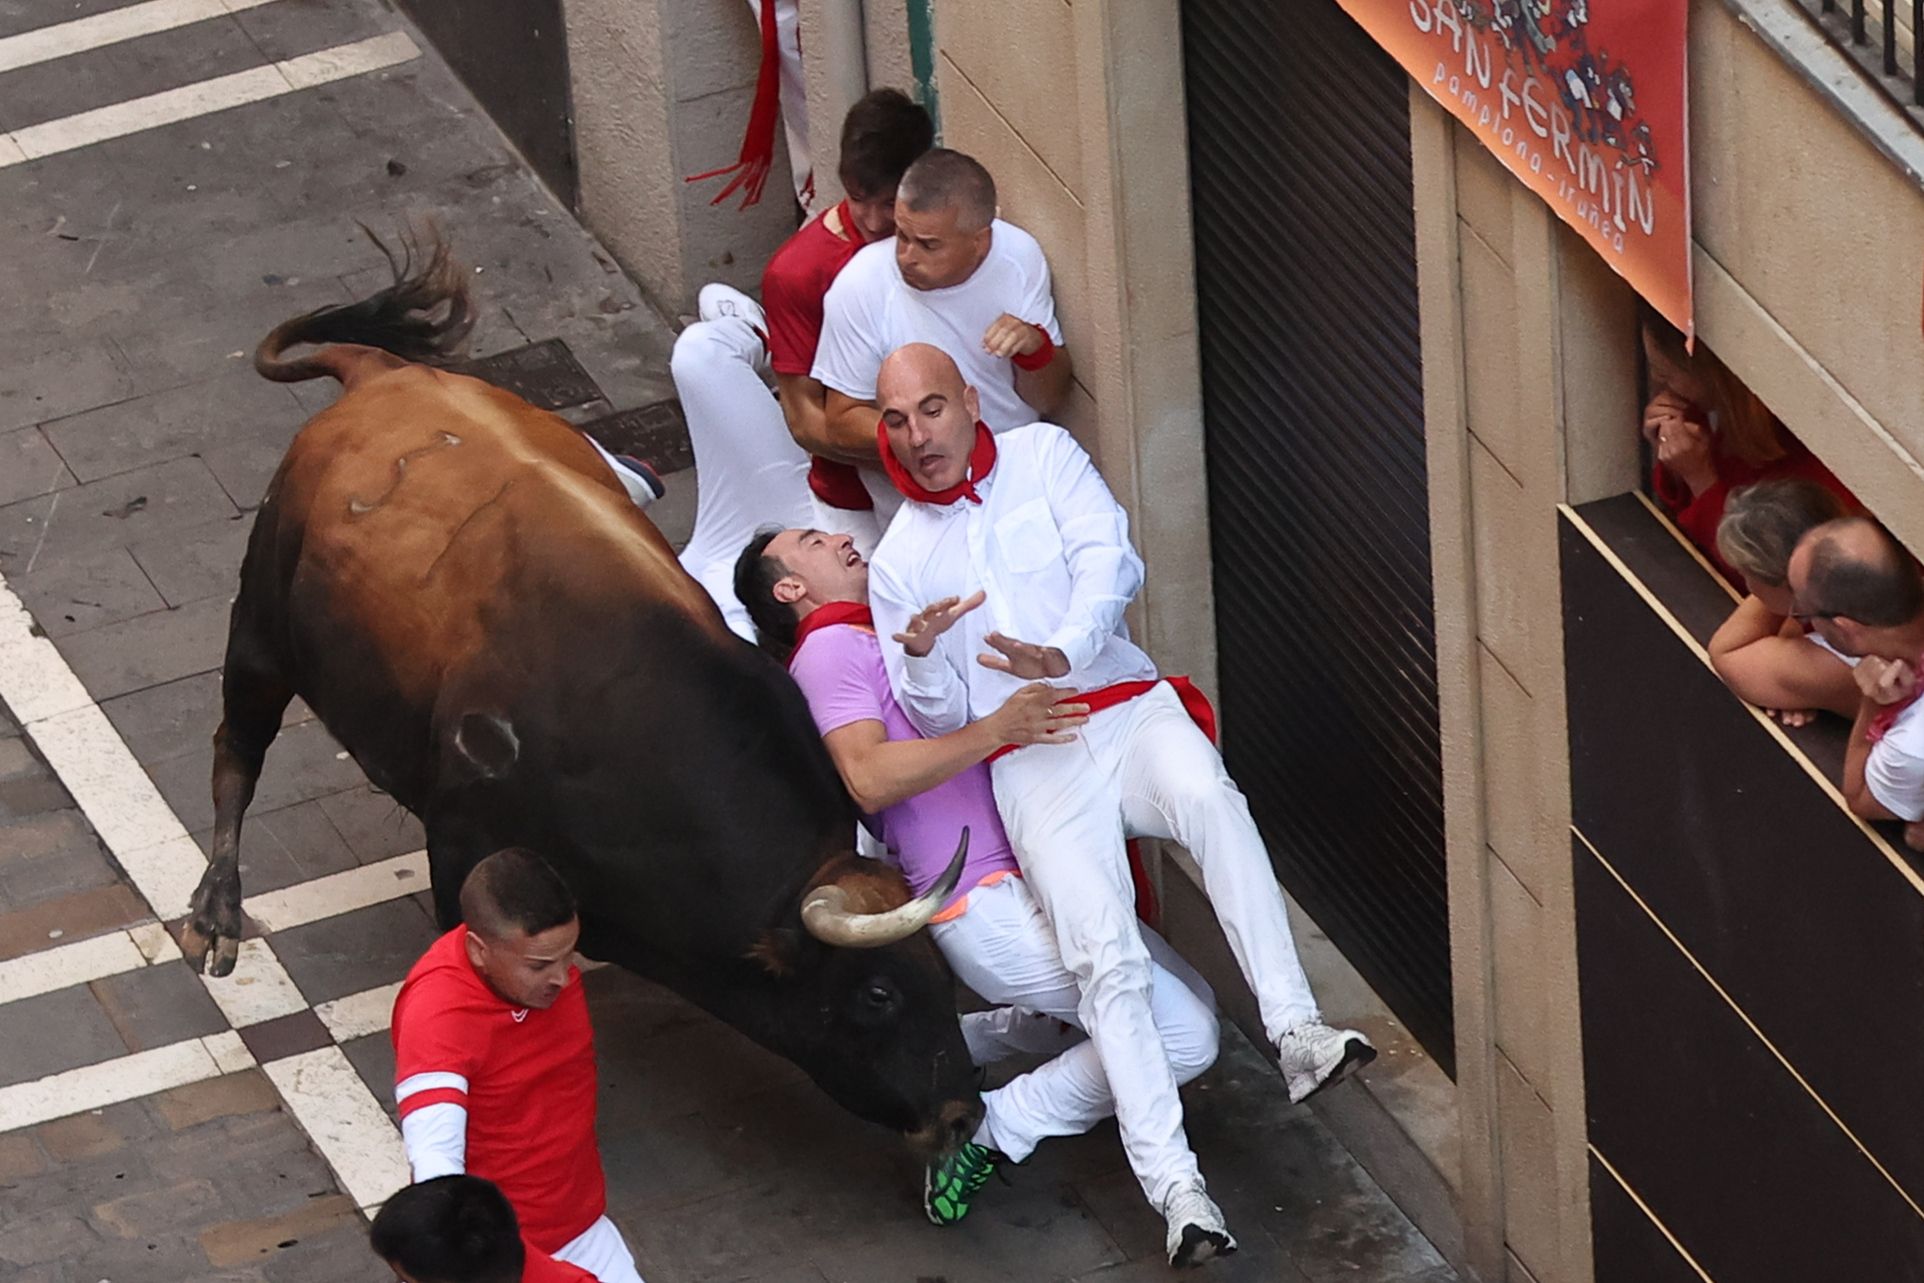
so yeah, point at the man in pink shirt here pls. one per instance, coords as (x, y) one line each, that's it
(807, 592)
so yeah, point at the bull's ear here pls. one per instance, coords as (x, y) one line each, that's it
(779, 950)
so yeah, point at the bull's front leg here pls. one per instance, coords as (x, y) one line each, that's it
(211, 937)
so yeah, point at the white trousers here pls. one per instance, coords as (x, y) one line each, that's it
(602, 1252)
(1004, 949)
(1143, 769)
(749, 472)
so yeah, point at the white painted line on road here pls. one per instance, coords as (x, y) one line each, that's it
(325, 1094)
(38, 683)
(63, 39)
(257, 990)
(122, 804)
(207, 96)
(339, 893)
(69, 964)
(360, 1014)
(154, 942)
(76, 1091)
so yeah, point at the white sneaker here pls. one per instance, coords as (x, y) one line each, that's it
(1196, 1229)
(1313, 1055)
(718, 302)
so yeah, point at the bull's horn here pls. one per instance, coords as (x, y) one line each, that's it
(829, 919)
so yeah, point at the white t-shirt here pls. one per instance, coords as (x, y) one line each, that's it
(870, 311)
(1894, 772)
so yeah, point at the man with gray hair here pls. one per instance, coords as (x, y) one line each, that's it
(1861, 589)
(1761, 653)
(958, 278)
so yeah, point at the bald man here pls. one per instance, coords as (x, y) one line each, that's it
(1860, 590)
(494, 1062)
(1008, 563)
(954, 275)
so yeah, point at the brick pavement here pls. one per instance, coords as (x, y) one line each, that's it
(134, 442)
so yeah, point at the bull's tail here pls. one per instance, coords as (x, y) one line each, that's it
(423, 316)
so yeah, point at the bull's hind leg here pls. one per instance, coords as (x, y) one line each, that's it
(254, 695)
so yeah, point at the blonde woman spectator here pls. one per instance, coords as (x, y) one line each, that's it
(1761, 652)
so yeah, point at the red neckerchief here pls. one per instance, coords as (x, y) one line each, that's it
(836, 612)
(981, 459)
(1886, 717)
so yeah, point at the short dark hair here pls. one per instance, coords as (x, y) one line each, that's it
(1882, 591)
(515, 890)
(756, 574)
(882, 135)
(1762, 524)
(944, 179)
(452, 1229)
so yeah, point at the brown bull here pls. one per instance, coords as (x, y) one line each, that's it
(459, 587)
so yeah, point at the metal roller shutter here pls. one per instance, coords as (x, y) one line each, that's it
(1313, 399)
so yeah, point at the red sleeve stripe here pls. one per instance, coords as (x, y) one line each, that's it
(433, 1096)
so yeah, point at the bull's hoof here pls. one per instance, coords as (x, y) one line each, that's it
(210, 950)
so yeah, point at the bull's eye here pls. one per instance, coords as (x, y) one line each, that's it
(880, 997)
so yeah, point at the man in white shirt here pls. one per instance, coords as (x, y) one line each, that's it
(955, 276)
(1011, 537)
(1861, 592)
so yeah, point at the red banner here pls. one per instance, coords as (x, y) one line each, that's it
(1584, 100)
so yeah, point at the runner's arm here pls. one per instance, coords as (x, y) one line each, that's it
(1047, 388)
(433, 1056)
(434, 1123)
(880, 772)
(809, 408)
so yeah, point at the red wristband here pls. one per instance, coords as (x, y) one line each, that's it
(1041, 356)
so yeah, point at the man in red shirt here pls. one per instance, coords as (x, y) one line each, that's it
(494, 1062)
(460, 1229)
(759, 460)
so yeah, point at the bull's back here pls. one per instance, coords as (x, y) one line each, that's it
(394, 530)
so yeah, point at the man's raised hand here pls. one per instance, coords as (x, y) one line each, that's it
(919, 634)
(1024, 659)
(1039, 714)
(1008, 336)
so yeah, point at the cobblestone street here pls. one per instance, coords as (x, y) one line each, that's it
(157, 1127)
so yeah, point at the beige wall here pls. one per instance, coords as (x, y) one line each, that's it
(1528, 343)
(662, 90)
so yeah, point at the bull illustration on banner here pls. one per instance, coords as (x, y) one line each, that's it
(1583, 100)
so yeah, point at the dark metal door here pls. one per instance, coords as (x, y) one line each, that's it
(1313, 401)
(513, 57)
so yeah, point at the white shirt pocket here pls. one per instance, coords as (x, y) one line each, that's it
(1027, 538)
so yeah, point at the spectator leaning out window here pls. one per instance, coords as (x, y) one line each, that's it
(1709, 435)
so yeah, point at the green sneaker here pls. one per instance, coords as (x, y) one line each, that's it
(948, 1186)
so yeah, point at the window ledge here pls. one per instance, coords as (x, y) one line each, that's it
(1806, 49)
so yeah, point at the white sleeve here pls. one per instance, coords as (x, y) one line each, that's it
(846, 358)
(1038, 305)
(930, 689)
(436, 1140)
(1895, 777)
(1104, 570)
